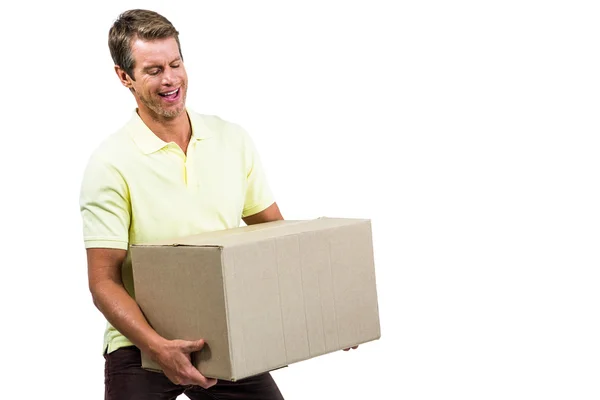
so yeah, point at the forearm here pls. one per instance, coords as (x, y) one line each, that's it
(121, 310)
(271, 213)
(123, 313)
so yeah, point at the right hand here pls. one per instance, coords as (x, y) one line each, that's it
(175, 361)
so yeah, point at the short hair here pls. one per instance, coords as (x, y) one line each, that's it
(137, 24)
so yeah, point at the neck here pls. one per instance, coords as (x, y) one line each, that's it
(177, 129)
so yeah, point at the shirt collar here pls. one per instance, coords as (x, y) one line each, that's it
(149, 143)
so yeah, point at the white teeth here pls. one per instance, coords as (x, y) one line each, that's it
(169, 93)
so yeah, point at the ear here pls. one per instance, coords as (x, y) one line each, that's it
(124, 77)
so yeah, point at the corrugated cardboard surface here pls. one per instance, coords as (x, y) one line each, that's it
(263, 296)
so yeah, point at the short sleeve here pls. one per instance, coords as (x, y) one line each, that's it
(258, 193)
(105, 206)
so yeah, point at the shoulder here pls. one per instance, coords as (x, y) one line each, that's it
(112, 152)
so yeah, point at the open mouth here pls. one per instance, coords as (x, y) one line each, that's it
(170, 96)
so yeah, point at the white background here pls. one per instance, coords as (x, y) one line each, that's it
(466, 130)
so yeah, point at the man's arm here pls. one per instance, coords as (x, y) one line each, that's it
(121, 310)
(106, 214)
(269, 214)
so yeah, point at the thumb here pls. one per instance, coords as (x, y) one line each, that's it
(193, 345)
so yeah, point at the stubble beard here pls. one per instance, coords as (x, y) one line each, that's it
(155, 106)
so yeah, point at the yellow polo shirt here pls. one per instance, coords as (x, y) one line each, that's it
(138, 188)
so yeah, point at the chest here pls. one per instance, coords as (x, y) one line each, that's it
(178, 195)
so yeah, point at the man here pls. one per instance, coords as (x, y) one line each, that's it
(168, 172)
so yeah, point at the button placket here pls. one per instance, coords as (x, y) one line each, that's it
(174, 149)
(189, 165)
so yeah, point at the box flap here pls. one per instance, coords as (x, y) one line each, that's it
(267, 230)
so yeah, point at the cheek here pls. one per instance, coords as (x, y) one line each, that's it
(149, 86)
(183, 76)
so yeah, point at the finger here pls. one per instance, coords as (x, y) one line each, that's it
(210, 382)
(196, 378)
(193, 345)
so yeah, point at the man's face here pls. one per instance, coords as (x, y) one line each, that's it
(160, 84)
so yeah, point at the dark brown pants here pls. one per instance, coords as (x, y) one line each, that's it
(125, 379)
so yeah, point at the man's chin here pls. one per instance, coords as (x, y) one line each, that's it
(168, 113)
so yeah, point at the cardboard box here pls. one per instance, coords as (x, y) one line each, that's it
(261, 296)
